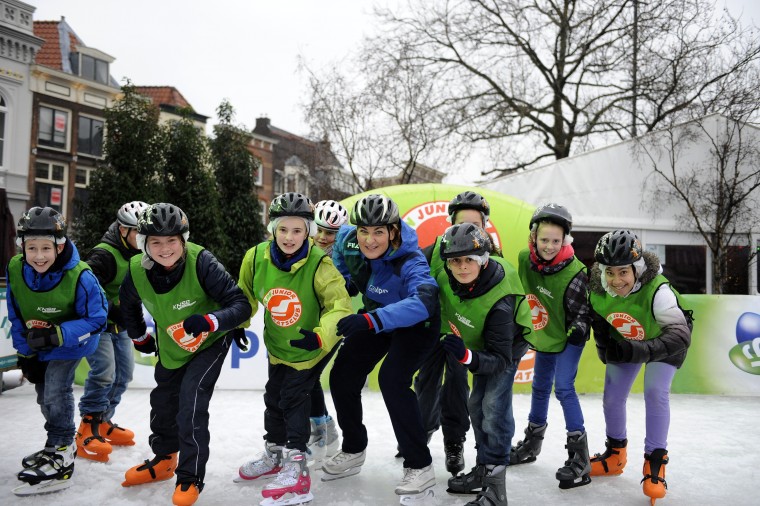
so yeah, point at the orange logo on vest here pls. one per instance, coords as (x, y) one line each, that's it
(185, 341)
(627, 326)
(283, 305)
(538, 312)
(454, 330)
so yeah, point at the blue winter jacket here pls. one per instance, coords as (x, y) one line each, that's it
(90, 304)
(397, 288)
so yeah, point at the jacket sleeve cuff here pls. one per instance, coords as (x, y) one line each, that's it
(467, 357)
(212, 321)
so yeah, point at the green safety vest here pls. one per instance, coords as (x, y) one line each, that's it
(466, 317)
(290, 301)
(436, 262)
(546, 294)
(122, 266)
(170, 309)
(40, 309)
(632, 316)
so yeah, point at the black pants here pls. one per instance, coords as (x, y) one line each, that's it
(405, 348)
(179, 410)
(287, 398)
(443, 405)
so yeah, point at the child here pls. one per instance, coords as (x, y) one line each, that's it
(400, 321)
(445, 404)
(637, 319)
(329, 217)
(195, 303)
(112, 363)
(56, 308)
(557, 288)
(304, 297)
(483, 303)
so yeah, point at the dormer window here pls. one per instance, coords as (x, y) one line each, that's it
(89, 67)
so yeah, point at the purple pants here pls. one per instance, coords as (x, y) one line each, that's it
(618, 380)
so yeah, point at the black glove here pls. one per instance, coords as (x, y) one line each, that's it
(32, 368)
(353, 324)
(241, 340)
(145, 344)
(625, 350)
(197, 324)
(351, 288)
(43, 339)
(114, 315)
(576, 336)
(310, 342)
(455, 346)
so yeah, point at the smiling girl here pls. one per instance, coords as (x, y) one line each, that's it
(637, 319)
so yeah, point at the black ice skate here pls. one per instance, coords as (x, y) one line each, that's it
(577, 467)
(494, 491)
(51, 473)
(454, 450)
(470, 483)
(528, 449)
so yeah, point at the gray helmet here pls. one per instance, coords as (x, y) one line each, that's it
(42, 221)
(374, 210)
(163, 219)
(553, 213)
(619, 247)
(463, 240)
(129, 213)
(291, 204)
(469, 200)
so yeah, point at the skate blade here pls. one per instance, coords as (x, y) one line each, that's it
(578, 482)
(240, 479)
(332, 477)
(288, 499)
(524, 461)
(43, 487)
(459, 492)
(416, 499)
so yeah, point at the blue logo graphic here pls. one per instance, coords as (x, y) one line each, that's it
(746, 354)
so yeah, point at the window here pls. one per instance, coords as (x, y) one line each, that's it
(53, 127)
(90, 68)
(90, 136)
(81, 189)
(50, 185)
(3, 110)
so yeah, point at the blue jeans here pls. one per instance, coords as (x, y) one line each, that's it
(56, 399)
(491, 413)
(111, 367)
(558, 370)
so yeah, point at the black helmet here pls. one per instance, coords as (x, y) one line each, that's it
(42, 221)
(374, 211)
(129, 213)
(291, 204)
(469, 200)
(553, 213)
(463, 240)
(619, 247)
(163, 219)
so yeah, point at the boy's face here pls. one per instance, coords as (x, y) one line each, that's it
(373, 241)
(290, 234)
(166, 251)
(469, 216)
(465, 269)
(41, 253)
(620, 279)
(324, 237)
(548, 239)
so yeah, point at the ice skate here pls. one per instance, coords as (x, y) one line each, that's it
(528, 449)
(577, 467)
(160, 468)
(185, 494)
(470, 483)
(51, 473)
(612, 461)
(494, 491)
(90, 443)
(292, 484)
(266, 465)
(118, 436)
(342, 465)
(416, 486)
(32, 459)
(654, 484)
(324, 441)
(454, 450)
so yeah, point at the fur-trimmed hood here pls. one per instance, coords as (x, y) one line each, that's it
(653, 268)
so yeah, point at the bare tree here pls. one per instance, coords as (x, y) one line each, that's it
(718, 193)
(538, 77)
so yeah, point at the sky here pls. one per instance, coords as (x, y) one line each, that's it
(712, 445)
(244, 51)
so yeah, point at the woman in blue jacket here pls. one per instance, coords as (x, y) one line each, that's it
(400, 319)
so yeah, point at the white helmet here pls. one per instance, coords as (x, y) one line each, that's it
(330, 214)
(129, 213)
